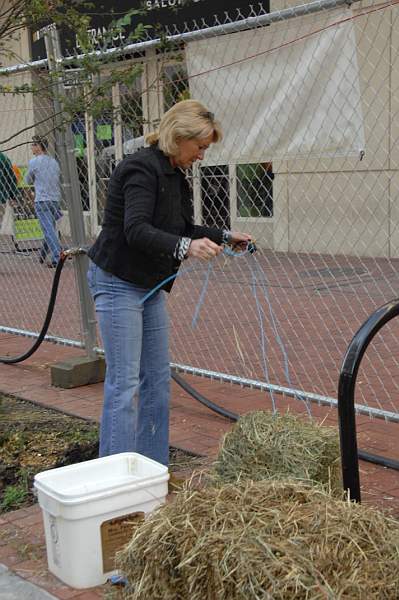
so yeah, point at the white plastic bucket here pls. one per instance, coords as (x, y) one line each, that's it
(88, 511)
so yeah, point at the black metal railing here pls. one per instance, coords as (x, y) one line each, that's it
(346, 400)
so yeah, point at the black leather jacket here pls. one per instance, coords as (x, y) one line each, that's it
(148, 209)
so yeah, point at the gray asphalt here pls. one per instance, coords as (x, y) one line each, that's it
(13, 587)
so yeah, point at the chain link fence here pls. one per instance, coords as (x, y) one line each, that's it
(307, 97)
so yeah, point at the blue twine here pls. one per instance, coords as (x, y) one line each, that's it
(158, 287)
(229, 252)
(262, 336)
(264, 286)
(226, 250)
(202, 295)
(263, 282)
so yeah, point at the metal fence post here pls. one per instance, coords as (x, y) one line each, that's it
(66, 152)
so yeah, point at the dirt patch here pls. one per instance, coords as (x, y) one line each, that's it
(34, 439)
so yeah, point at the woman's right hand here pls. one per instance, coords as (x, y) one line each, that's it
(204, 248)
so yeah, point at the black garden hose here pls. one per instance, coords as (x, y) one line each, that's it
(197, 396)
(10, 360)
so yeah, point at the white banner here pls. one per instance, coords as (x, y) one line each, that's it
(280, 92)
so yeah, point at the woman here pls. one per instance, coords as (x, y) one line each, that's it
(147, 231)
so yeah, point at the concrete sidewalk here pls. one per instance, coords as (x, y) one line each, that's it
(13, 587)
(192, 427)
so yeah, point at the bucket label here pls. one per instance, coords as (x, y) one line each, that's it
(115, 533)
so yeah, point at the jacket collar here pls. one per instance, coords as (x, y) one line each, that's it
(164, 161)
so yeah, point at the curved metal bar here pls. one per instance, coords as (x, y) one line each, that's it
(346, 394)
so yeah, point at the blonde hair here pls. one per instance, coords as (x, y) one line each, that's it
(185, 120)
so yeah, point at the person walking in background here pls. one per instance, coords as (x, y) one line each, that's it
(148, 229)
(8, 186)
(44, 173)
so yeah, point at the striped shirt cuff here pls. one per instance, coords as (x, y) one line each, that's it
(181, 249)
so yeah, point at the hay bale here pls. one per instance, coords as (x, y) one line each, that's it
(263, 446)
(258, 540)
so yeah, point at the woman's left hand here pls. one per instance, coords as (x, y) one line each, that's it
(240, 239)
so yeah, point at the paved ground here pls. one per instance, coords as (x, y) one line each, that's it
(13, 587)
(193, 427)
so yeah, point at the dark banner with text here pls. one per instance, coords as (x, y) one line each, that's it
(177, 15)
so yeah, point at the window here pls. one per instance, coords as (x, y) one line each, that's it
(255, 190)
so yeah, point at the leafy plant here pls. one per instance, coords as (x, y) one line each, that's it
(14, 496)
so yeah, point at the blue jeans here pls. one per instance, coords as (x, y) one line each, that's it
(47, 212)
(135, 336)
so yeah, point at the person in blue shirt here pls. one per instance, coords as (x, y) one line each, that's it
(44, 173)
